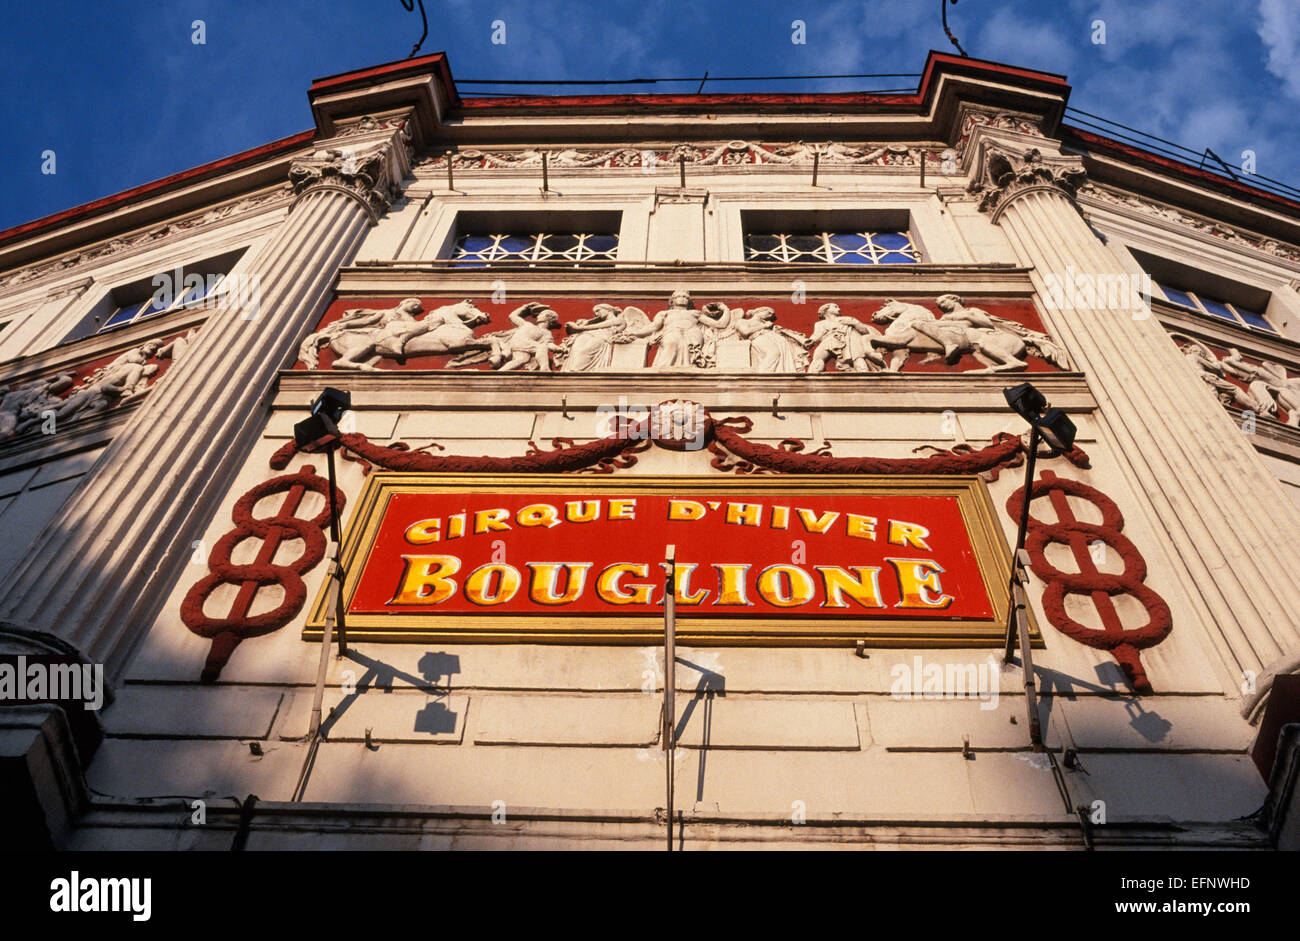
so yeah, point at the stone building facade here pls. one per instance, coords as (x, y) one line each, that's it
(753, 319)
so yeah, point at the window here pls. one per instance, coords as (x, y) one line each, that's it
(886, 247)
(160, 303)
(186, 287)
(478, 249)
(1233, 313)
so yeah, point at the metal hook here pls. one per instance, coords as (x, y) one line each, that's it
(775, 400)
(564, 408)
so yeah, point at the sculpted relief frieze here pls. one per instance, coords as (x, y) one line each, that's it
(744, 335)
(730, 153)
(1258, 386)
(44, 404)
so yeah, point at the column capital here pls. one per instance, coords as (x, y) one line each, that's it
(368, 165)
(1003, 174)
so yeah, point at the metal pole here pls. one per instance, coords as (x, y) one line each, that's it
(325, 641)
(681, 166)
(1020, 612)
(336, 569)
(670, 674)
(817, 156)
(546, 179)
(451, 180)
(1020, 542)
(922, 153)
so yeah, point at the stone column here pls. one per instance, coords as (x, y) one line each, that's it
(98, 572)
(1233, 530)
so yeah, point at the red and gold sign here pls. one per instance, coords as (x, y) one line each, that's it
(794, 560)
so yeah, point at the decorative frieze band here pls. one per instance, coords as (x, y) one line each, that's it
(1257, 386)
(681, 337)
(730, 153)
(48, 402)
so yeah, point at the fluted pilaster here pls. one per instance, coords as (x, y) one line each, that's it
(97, 573)
(1235, 533)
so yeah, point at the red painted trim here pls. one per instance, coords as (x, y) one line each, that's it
(1180, 168)
(167, 182)
(391, 70)
(676, 100)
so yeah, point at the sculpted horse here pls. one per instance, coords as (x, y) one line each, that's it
(915, 329)
(363, 336)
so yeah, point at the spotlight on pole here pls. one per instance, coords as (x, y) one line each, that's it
(1053, 426)
(320, 432)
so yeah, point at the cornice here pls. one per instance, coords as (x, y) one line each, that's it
(123, 245)
(1150, 209)
(406, 278)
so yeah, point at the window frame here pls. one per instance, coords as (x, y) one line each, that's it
(829, 249)
(1198, 306)
(460, 259)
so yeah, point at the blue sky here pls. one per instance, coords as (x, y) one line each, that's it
(122, 95)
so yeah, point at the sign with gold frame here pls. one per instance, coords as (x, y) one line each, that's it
(791, 560)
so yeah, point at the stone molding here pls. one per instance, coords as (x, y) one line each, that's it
(1002, 176)
(371, 172)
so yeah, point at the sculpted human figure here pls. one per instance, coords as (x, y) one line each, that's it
(1255, 377)
(773, 347)
(21, 407)
(124, 378)
(590, 345)
(530, 344)
(1208, 367)
(999, 343)
(679, 332)
(363, 336)
(842, 338)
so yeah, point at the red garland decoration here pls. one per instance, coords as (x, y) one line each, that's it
(1005, 451)
(1124, 643)
(227, 632)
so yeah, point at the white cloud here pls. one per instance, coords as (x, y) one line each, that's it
(1011, 38)
(1279, 28)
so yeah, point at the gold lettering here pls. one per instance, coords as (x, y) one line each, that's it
(731, 583)
(493, 520)
(456, 526)
(423, 531)
(801, 587)
(861, 527)
(608, 588)
(744, 514)
(917, 578)
(426, 579)
(622, 509)
(478, 587)
(819, 525)
(685, 509)
(542, 588)
(908, 534)
(780, 517)
(581, 511)
(538, 514)
(682, 584)
(865, 589)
